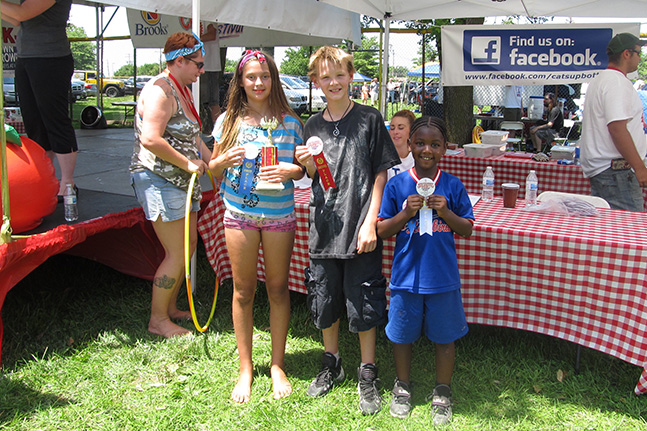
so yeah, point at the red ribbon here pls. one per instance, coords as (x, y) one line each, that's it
(324, 171)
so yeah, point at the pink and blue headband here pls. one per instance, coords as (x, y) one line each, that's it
(248, 55)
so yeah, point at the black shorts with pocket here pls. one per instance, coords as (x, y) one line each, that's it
(357, 283)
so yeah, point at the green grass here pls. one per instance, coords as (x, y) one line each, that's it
(77, 356)
(114, 115)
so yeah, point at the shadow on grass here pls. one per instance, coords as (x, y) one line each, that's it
(18, 400)
(69, 302)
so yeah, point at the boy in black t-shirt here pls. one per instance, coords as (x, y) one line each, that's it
(345, 251)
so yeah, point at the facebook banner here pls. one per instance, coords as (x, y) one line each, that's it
(526, 54)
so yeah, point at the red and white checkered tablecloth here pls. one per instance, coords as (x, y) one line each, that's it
(509, 169)
(581, 279)
(213, 235)
(18, 125)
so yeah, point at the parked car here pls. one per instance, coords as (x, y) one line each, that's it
(297, 101)
(90, 89)
(141, 81)
(77, 90)
(111, 87)
(296, 84)
(9, 91)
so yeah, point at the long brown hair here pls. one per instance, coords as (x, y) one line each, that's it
(237, 106)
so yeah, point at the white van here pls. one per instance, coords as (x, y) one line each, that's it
(296, 84)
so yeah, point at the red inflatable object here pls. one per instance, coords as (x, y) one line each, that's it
(32, 185)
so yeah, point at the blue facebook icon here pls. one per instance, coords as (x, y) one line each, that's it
(486, 50)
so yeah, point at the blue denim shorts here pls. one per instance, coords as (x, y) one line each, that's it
(620, 188)
(159, 198)
(440, 314)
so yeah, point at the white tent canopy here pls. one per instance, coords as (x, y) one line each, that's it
(304, 17)
(389, 10)
(431, 9)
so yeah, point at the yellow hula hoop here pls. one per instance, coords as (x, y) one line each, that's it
(476, 134)
(187, 258)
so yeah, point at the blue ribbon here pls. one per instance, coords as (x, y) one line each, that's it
(247, 176)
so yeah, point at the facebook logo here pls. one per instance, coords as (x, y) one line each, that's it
(486, 50)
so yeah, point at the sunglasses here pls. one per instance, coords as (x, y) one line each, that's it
(200, 64)
(633, 50)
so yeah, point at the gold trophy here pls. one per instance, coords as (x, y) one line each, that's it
(269, 156)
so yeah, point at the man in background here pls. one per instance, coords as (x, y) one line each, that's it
(613, 143)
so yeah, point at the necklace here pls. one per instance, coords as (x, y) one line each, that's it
(335, 132)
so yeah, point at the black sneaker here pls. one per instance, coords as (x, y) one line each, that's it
(401, 401)
(370, 401)
(331, 373)
(441, 405)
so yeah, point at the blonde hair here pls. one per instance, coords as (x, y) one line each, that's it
(333, 55)
(237, 106)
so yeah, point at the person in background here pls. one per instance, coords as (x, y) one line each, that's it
(375, 89)
(548, 131)
(399, 130)
(425, 282)
(345, 253)
(209, 87)
(168, 151)
(44, 68)
(390, 86)
(256, 216)
(364, 93)
(613, 143)
(513, 103)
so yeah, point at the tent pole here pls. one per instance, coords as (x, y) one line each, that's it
(195, 27)
(5, 230)
(385, 67)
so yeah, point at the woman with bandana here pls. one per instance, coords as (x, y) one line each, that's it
(168, 150)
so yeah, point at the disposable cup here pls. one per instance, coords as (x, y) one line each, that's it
(510, 192)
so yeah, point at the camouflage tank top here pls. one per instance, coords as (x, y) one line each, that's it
(181, 134)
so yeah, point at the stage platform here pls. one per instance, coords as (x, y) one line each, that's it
(111, 228)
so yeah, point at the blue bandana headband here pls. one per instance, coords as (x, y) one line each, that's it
(172, 55)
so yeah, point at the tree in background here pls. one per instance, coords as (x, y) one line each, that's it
(398, 71)
(642, 68)
(366, 59)
(458, 102)
(295, 61)
(145, 69)
(84, 53)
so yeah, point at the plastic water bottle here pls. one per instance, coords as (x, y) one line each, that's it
(69, 202)
(532, 184)
(488, 185)
(577, 155)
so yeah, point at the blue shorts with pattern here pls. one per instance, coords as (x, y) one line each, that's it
(441, 314)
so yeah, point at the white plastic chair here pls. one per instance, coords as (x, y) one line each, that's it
(515, 127)
(596, 201)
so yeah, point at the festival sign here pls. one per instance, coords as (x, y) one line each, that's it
(150, 30)
(526, 54)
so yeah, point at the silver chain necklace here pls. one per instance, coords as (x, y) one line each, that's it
(335, 132)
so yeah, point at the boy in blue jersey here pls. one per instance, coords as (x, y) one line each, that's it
(425, 283)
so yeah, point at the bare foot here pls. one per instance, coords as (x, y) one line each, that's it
(166, 328)
(281, 387)
(180, 316)
(243, 389)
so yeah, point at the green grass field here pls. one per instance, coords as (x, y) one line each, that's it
(77, 356)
